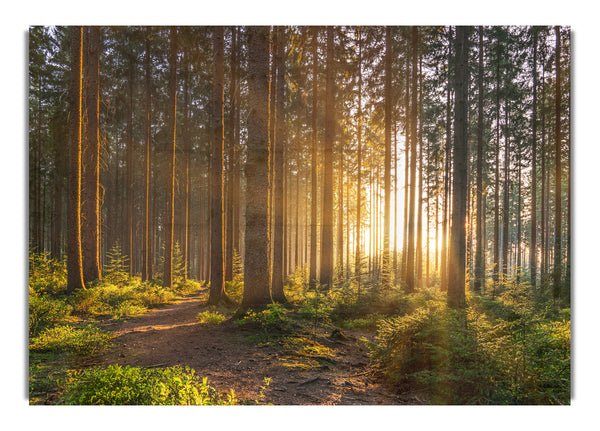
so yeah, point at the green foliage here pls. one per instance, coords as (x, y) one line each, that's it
(495, 352)
(274, 317)
(238, 267)
(84, 340)
(115, 270)
(45, 311)
(46, 275)
(130, 299)
(235, 290)
(117, 385)
(211, 318)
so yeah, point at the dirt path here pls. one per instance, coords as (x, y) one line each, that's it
(171, 336)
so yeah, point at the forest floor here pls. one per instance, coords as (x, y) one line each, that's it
(314, 369)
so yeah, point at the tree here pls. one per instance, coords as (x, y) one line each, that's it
(256, 259)
(388, 160)
(556, 274)
(74, 258)
(326, 274)
(147, 234)
(533, 245)
(457, 264)
(278, 173)
(217, 275)
(479, 284)
(168, 264)
(312, 278)
(91, 223)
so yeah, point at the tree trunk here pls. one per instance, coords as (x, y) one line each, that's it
(170, 214)
(456, 273)
(278, 173)
(146, 241)
(533, 244)
(74, 258)
(129, 172)
(326, 274)
(91, 224)
(217, 264)
(410, 256)
(256, 261)
(447, 166)
(556, 282)
(387, 159)
(479, 284)
(358, 257)
(229, 246)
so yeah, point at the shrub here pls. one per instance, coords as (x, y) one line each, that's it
(211, 317)
(86, 340)
(44, 311)
(116, 385)
(273, 317)
(46, 275)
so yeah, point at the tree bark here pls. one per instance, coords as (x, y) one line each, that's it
(456, 273)
(91, 224)
(217, 264)
(256, 261)
(556, 273)
(386, 279)
(74, 258)
(168, 269)
(278, 175)
(326, 273)
(146, 240)
(479, 284)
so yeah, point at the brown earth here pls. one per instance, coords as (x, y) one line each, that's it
(233, 357)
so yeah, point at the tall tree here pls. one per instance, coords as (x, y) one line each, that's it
(217, 264)
(326, 274)
(74, 258)
(91, 223)
(457, 266)
(479, 284)
(533, 244)
(256, 261)
(556, 274)
(386, 280)
(410, 255)
(170, 214)
(278, 173)
(358, 256)
(147, 233)
(312, 279)
(229, 237)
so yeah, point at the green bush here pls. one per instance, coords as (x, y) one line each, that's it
(45, 311)
(117, 385)
(272, 318)
(85, 340)
(46, 275)
(211, 317)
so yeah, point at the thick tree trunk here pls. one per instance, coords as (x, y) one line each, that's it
(129, 172)
(217, 264)
(256, 261)
(91, 224)
(74, 258)
(456, 273)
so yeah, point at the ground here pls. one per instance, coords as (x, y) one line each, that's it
(323, 371)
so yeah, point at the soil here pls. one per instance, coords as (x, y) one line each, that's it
(232, 357)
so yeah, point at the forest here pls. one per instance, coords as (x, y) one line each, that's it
(299, 215)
